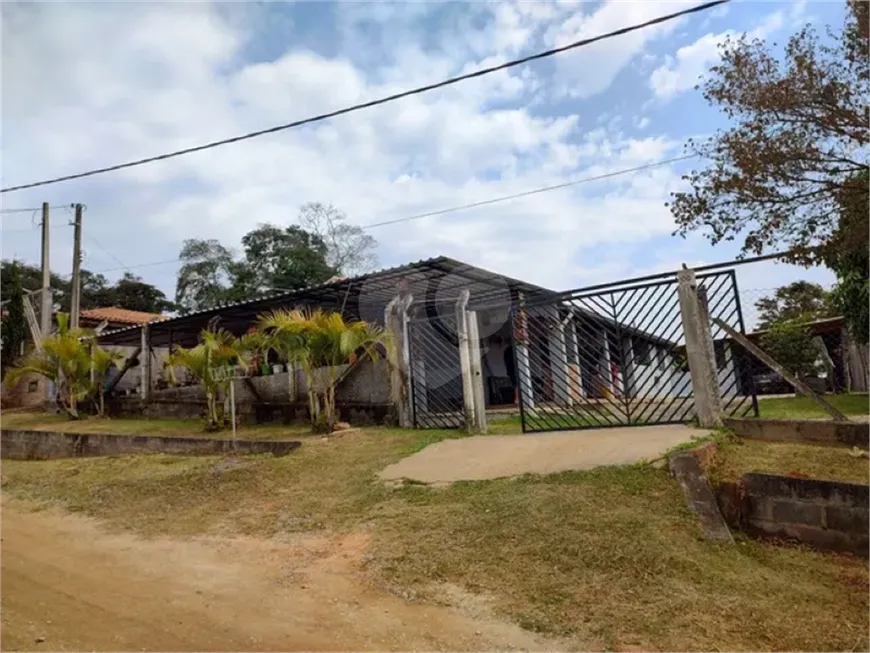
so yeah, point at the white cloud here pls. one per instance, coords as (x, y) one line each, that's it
(686, 68)
(122, 81)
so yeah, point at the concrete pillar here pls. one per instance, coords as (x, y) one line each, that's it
(699, 352)
(145, 364)
(521, 351)
(476, 372)
(628, 389)
(559, 366)
(396, 320)
(575, 378)
(465, 359)
(605, 376)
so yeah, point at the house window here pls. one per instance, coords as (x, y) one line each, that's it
(642, 351)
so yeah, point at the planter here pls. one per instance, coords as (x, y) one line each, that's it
(277, 369)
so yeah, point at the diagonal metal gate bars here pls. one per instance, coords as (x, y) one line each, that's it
(616, 356)
(436, 380)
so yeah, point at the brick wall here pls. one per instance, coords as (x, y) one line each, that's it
(824, 514)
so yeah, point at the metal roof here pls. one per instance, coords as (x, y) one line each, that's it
(432, 281)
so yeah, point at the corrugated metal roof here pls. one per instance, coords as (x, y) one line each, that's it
(431, 281)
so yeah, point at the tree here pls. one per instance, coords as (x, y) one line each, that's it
(74, 362)
(287, 258)
(790, 344)
(798, 300)
(212, 362)
(320, 342)
(849, 257)
(14, 326)
(31, 279)
(205, 275)
(349, 249)
(132, 293)
(797, 145)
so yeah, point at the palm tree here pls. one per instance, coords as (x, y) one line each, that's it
(320, 342)
(73, 362)
(213, 363)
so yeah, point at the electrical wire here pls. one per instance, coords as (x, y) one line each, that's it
(472, 205)
(31, 210)
(109, 253)
(372, 103)
(529, 192)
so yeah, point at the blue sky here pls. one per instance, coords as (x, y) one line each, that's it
(96, 83)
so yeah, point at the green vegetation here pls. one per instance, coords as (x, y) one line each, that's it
(806, 408)
(609, 558)
(75, 363)
(737, 456)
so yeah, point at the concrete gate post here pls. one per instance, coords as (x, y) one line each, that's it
(699, 351)
(476, 372)
(465, 359)
(521, 351)
(396, 321)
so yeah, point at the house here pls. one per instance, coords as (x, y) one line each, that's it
(570, 349)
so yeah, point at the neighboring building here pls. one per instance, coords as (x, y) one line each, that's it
(115, 318)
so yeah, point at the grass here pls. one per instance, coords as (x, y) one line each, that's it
(137, 426)
(609, 558)
(738, 456)
(806, 408)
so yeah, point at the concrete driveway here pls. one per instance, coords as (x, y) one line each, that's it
(495, 456)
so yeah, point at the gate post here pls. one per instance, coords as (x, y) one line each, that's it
(396, 320)
(465, 359)
(476, 373)
(699, 351)
(521, 352)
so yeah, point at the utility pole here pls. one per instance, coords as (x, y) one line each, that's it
(76, 298)
(45, 311)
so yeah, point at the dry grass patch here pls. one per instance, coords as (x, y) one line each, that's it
(737, 456)
(141, 426)
(610, 558)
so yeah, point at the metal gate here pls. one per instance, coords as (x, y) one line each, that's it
(436, 379)
(614, 355)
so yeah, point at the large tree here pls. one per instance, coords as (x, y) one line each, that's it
(349, 249)
(205, 275)
(282, 258)
(274, 259)
(13, 327)
(800, 300)
(797, 142)
(132, 293)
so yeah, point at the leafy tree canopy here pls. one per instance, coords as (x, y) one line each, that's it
(797, 145)
(273, 258)
(13, 327)
(130, 292)
(800, 300)
(349, 250)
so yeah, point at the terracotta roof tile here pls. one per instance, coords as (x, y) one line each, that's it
(117, 315)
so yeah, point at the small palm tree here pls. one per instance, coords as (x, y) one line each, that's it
(73, 362)
(320, 342)
(213, 363)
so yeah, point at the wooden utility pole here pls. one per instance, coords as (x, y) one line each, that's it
(47, 304)
(76, 298)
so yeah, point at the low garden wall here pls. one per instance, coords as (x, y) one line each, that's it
(853, 434)
(248, 413)
(824, 514)
(51, 445)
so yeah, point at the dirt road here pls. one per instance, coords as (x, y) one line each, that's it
(67, 584)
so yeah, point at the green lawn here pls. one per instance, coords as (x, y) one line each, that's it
(610, 558)
(806, 408)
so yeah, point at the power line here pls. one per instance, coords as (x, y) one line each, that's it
(109, 253)
(31, 210)
(472, 205)
(372, 103)
(529, 192)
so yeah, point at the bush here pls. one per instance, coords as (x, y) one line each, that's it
(790, 344)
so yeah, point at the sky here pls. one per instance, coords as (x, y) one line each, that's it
(91, 84)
